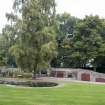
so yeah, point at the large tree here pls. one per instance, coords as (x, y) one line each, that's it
(35, 46)
(66, 29)
(85, 46)
(88, 42)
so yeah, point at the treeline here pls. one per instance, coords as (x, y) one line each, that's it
(36, 38)
(81, 42)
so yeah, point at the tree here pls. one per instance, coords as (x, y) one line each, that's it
(87, 43)
(3, 51)
(36, 45)
(66, 29)
(9, 35)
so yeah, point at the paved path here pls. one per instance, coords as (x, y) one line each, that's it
(68, 80)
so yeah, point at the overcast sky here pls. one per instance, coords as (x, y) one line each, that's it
(78, 8)
(5, 6)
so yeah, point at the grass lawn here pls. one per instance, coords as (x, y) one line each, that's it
(69, 94)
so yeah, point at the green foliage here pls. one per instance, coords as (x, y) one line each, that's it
(86, 44)
(3, 51)
(2, 61)
(66, 29)
(36, 45)
(88, 40)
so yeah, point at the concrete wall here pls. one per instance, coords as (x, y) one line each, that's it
(79, 74)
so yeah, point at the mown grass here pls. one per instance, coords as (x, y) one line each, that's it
(69, 94)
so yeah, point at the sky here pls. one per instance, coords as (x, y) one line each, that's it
(5, 7)
(78, 8)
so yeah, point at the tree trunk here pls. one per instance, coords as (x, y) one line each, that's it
(34, 73)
